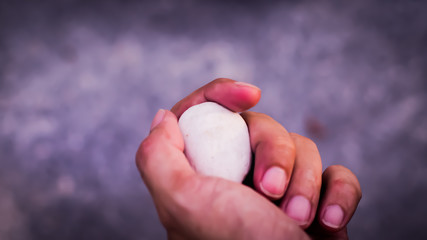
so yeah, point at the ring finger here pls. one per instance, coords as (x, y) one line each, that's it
(302, 196)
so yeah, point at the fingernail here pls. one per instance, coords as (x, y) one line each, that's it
(333, 216)
(299, 209)
(273, 182)
(244, 84)
(158, 118)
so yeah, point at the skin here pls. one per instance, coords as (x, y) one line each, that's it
(294, 201)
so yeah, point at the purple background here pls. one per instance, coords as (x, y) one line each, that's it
(81, 80)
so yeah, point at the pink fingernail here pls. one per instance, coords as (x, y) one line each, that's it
(299, 209)
(244, 84)
(273, 182)
(333, 216)
(158, 118)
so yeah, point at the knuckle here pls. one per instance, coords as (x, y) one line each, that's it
(263, 116)
(280, 146)
(258, 115)
(304, 140)
(339, 168)
(347, 185)
(145, 151)
(146, 147)
(348, 176)
(214, 86)
(334, 171)
(285, 146)
(339, 183)
(311, 178)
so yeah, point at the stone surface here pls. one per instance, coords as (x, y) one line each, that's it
(216, 141)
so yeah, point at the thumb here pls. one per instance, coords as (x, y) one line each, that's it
(160, 157)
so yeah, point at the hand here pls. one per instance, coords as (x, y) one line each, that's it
(287, 169)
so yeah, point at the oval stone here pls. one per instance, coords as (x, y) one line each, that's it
(216, 141)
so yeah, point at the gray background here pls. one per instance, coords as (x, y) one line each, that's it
(80, 82)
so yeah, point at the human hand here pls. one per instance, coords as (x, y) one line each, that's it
(201, 207)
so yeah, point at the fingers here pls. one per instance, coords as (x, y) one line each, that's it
(274, 154)
(302, 195)
(341, 194)
(160, 158)
(236, 96)
(288, 162)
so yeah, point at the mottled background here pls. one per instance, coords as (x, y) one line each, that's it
(81, 80)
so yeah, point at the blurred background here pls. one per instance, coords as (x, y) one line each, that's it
(80, 82)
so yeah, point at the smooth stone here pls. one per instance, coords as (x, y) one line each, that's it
(216, 141)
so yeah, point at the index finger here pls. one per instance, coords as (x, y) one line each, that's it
(236, 96)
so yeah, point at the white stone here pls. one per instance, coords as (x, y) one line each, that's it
(216, 141)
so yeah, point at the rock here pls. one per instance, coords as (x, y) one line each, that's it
(216, 141)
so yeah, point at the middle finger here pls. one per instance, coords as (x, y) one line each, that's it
(274, 154)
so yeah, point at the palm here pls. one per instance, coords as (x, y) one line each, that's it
(219, 201)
